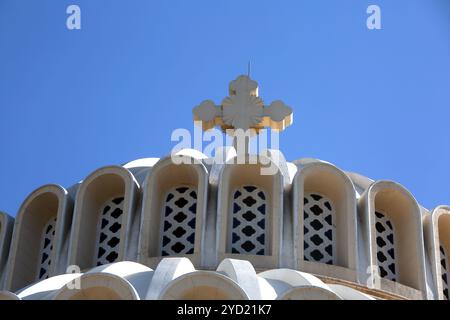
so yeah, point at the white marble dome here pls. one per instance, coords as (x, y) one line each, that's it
(152, 229)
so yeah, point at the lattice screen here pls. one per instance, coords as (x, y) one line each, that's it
(385, 246)
(444, 272)
(319, 231)
(108, 231)
(248, 221)
(48, 235)
(179, 217)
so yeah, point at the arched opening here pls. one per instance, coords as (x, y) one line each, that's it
(444, 249)
(325, 211)
(391, 221)
(174, 208)
(104, 213)
(33, 248)
(396, 236)
(6, 229)
(250, 211)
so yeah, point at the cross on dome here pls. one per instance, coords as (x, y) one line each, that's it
(243, 109)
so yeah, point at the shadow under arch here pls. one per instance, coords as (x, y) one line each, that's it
(203, 285)
(394, 203)
(6, 231)
(95, 194)
(323, 186)
(437, 240)
(37, 236)
(166, 179)
(237, 174)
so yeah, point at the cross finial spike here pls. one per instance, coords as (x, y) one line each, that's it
(248, 68)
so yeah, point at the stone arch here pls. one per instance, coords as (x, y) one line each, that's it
(103, 217)
(174, 210)
(46, 289)
(392, 220)
(325, 221)
(437, 231)
(203, 285)
(243, 273)
(99, 286)
(36, 249)
(6, 230)
(239, 182)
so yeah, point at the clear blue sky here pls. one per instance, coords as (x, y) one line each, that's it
(374, 102)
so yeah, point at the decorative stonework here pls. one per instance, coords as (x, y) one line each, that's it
(249, 220)
(319, 230)
(172, 217)
(109, 231)
(243, 109)
(385, 246)
(444, 272)
(48, 235)
(179, 218)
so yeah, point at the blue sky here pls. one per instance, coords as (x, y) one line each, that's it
(375, 102)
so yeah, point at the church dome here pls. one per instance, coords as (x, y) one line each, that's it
(192, 226)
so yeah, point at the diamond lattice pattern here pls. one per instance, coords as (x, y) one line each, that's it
(48, 235)
(108, 235)
(319, 230)
(179, 217)
(248, 223)
(444, 272)
(385, 246)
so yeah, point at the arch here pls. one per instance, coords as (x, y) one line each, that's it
(174, 210)
(309, 293)
(138, 275)
(45, 289)
(36, 250)
(166, 271)
(387, 203)
(6, 230)
(266, 191)
(104, 218)
(99, 286)
(437, 239)
(243, 273)
(203, 285)
(6, 295)
(325, 232)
